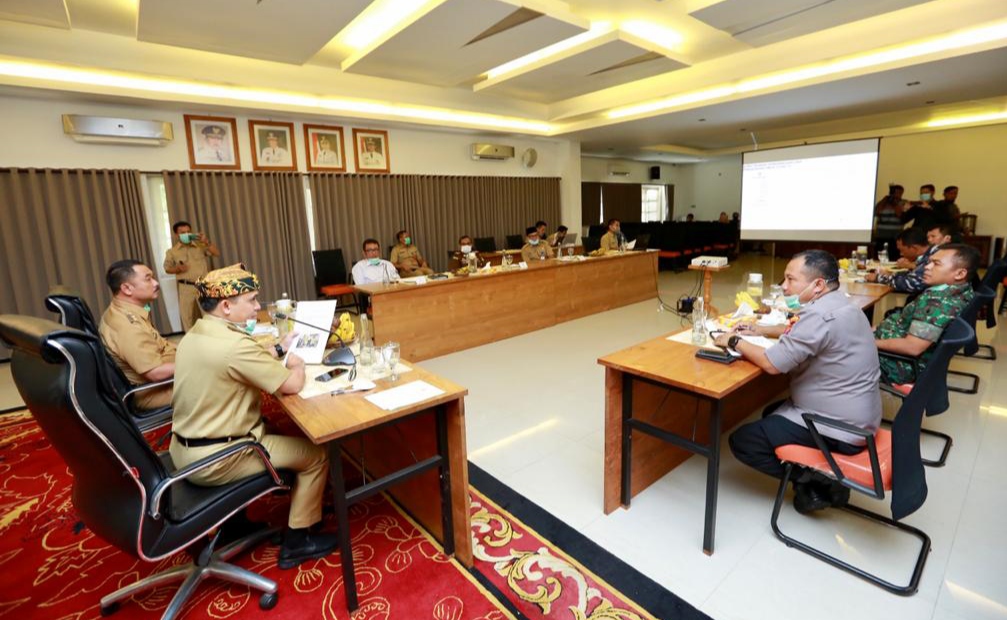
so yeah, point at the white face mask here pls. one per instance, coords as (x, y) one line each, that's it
(466, 249)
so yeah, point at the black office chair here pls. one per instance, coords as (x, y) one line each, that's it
(515, 242)
(128, 495)
(332, 279)
(74, 312)
(591, 244)
(891, 461)
(994, 276)
(485, 245)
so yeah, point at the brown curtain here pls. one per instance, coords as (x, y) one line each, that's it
(349, 208)
(670, 191)
(623, 201)
(255, 218)
(66, 227)
(590, 203)
(436, 209)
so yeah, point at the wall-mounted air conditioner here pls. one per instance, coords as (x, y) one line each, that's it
(105, 130)
(492, 151)
(617, 171)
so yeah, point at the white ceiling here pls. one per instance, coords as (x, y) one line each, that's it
(434, 63)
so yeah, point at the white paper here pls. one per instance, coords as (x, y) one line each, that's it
(685, 337)
(311, 342)
(631, 244)
(313, 388)
(523, 265)
(405, 395)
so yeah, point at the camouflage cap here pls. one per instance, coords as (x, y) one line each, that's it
(227, 282)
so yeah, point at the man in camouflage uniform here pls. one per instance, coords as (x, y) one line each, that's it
(138, 349)
(915, 329)
(407, 258)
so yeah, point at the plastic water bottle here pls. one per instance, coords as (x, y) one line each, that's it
(284, 305)
(698, 322)
(853, 264)
(754, 287)
(883, 254)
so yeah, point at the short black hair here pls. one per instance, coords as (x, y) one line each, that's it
(464, 237)
(947, 228)
(119, 273)
(540, 223)
(892, 188)
(929, 186)
(950, 188)
(966, 257)
(913, 236)
(209, 304)
(179, 224)
(821, 264)
(369, 241)
(398, 235)
(562, 229)
(612, 221)
(530, 230)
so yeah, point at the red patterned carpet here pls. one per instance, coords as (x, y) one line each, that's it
(51, 566)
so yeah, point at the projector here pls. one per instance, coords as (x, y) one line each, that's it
(709, 261)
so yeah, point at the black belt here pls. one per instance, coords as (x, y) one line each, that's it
(207, 441)
(189, 282)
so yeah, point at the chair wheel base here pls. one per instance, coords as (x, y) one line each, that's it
(268, 601)
(108, 610)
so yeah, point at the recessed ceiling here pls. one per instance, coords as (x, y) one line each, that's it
(279, 30)
(460, 40)
(50, 13)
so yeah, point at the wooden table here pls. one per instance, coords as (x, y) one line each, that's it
(420, 449)
(660, 389)
(444, 316)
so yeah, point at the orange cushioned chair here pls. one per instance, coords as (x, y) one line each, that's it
(331, 279)
(891, 462)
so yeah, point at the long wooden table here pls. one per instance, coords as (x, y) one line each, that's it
(660, 389)
(417, 453)
(444, 316)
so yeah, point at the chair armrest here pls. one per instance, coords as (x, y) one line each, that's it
(915, 361)
(143, 388)
(812, 420)
(181, 474)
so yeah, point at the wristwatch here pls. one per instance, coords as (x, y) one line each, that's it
(733, 341)
(279, 350)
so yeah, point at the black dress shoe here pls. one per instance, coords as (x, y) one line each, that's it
(839, 494)
(809, 497)
(310, 547)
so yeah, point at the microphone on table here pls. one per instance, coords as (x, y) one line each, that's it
(342, 355)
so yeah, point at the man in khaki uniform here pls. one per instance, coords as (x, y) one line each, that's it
(219, 375)
(138, 349)
(535, 249)
(407, 258)
(189, 260)
(610, 240)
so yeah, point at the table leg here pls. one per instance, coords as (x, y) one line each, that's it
(627, 439)
(343, 522)
(708, 293)
(712, 479)
(447, 521)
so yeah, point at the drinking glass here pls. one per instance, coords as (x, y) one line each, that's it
(569, 252)
(271, 311)
(391, 354)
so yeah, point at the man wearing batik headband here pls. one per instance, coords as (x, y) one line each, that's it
(220, 372)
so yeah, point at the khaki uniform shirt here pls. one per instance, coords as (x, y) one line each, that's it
(195, 256)
(531, 252)
(219, 374)
(609, 242)
(135, 345)
(406, 256)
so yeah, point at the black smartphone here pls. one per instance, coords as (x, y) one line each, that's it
(716, 356)
(332, 374)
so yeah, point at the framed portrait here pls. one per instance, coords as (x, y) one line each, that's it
(324, 144)
(370, 150)
(273, 145)
(213, 142)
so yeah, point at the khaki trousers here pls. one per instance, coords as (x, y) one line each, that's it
(188, 306)
(308, 460)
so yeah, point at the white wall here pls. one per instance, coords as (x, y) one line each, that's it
(974, 159)
(596, 169)
(715, 186)
(33, 135)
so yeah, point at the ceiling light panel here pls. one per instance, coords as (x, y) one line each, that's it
(278, 30)
(450, 44)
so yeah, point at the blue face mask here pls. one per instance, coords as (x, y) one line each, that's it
(146, 307)
(248, 326)
(373, 261)
(793, 302)
(187, 238)
(924, 197)
(408, 241)
(533, 241)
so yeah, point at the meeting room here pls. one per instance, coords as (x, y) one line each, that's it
(552, 309)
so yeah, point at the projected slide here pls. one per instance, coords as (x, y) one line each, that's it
(818, 192)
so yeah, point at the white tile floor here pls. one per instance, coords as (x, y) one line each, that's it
(535, 421)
